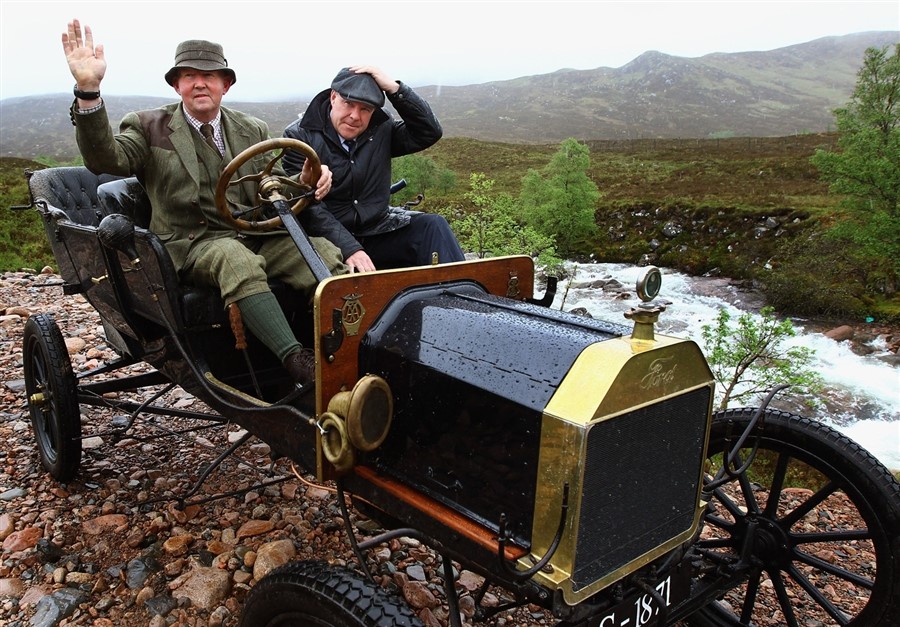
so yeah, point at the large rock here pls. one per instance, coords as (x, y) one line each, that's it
(254, 528)
(23, 539)
(7, 525)
(273, 555)
(104, 524)
(207, 588)
(841, 333)
(53, 608)
(11, 588)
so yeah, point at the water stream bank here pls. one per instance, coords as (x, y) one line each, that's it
(862, 398)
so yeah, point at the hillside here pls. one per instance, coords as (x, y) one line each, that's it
(710, 187)
(774, 93)
(753, 94)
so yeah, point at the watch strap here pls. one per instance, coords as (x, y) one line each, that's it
(85, 95)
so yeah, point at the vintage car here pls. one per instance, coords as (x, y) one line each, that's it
(576, 464)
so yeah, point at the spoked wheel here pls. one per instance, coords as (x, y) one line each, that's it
(52, 397)
(826, 553)
(315, 594)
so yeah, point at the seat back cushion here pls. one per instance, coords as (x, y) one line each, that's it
(125, 196)
(72, 189)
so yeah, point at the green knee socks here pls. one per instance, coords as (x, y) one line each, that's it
(263, 316)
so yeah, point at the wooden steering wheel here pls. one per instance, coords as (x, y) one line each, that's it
(270, 187)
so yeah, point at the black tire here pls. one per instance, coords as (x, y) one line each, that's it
(804, 572)
(302, 594)
(52, 397)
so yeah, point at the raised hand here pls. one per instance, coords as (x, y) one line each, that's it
(86, 62)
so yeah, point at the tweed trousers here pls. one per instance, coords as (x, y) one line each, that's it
(243, 266)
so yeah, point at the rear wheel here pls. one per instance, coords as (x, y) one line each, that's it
(315, 594)
(824, 553)
(52, 397)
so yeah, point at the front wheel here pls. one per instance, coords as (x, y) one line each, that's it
(813, 523)
(52, 397)
(315, 594)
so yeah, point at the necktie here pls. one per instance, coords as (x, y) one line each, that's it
(207, 131)
(349, 144)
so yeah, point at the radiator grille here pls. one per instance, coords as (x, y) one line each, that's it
(640, 483)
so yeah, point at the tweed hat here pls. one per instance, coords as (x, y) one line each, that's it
(199, 55)
(358, 88)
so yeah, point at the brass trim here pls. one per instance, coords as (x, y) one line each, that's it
(621, 379)
(367, 409)
(670, 366)
(336, 442)
(224, 386)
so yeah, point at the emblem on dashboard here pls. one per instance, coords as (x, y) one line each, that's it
(352, 313)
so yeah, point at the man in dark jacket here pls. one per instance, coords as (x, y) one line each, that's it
(350, 132)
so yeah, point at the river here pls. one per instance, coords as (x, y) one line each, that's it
(862, 396)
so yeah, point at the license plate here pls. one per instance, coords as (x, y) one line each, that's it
(644, 609)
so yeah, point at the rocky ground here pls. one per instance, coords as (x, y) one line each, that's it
(113, 547)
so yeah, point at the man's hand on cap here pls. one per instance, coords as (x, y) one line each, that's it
(385, 82)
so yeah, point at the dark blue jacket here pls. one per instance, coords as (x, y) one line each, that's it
(360, 192)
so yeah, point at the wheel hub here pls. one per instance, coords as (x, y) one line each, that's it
(770, 543)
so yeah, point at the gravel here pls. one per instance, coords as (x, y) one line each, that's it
(126, 543)
(117, 546)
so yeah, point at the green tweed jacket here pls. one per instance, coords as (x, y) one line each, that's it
(158, 147)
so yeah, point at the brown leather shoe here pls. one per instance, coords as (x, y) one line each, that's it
(301, 365)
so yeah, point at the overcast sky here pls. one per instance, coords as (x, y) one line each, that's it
(293, 49)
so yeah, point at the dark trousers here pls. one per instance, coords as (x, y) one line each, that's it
(413, 244)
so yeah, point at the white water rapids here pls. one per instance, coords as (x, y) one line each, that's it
(862, 392)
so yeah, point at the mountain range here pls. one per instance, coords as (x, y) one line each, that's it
(786, 91)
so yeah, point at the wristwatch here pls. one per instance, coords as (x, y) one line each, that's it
(85, 95)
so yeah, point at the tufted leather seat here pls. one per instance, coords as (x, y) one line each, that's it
(71, 189)
(76, 195)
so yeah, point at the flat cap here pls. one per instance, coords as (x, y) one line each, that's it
(358, 88)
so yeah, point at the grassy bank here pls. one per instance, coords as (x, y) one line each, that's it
(748, 208)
